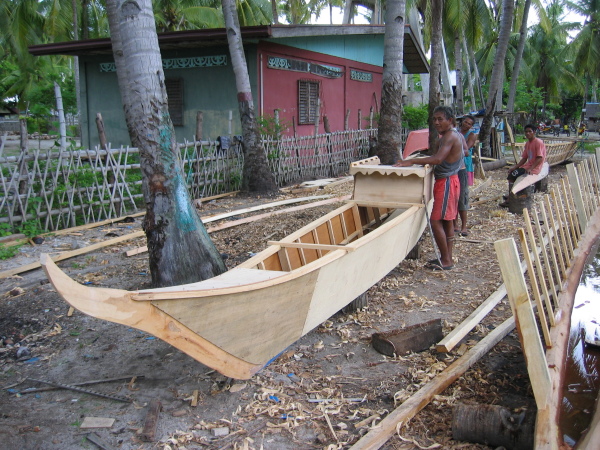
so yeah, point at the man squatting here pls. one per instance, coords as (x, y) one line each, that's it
(448, 159)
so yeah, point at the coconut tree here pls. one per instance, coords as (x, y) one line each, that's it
(390, 121)
(256, 174)
(587, 41)
(437, 8)
(180, 250)
(497, 77)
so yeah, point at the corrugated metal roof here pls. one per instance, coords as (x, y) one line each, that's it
(414, 57)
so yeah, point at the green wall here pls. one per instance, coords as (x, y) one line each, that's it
(211, 90)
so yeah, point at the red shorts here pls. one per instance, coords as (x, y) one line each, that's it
(445, 198)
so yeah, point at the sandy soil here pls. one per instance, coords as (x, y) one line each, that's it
(312, 396)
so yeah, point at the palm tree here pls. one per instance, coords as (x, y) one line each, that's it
(437, 7)
(256, 174)
(517, 64)
(497, 77)
(390, 121)
(180, 250)
(587, 41)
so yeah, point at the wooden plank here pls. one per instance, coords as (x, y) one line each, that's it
(311, 246)
(456, 335)
(541, 279)
(577, 197)
(547, 263)
(481, 186)
(93, 225)
(72, 253)
(261, 207)
(567, 249)
(378, 436)
(535, 288)
(284, 260)
(12, 238)
(551, 232)
(214, 197)
(518, 296)
(573, 219)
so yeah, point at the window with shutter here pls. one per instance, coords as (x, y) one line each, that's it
(175, 94)
(308, 97)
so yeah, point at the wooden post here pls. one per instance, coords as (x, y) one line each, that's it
(62, 127)
(359, 120)
(276, 118)
(230, 119)
(317, 117)
(371, 118)
(347, 118)
(199, 125)
(294, 126)
(518, 296)
(101, 132)
(577, 195)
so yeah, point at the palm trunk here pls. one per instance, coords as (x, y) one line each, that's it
(256, 175)
(274, 10)
(390, 122)
(180, 250)
(512, 91)
(477, 76)
(459, 110)
(497, 74)
(347, 12)
(437, 7)
(469, 76)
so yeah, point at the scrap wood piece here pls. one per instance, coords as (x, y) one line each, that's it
(456, 335)
(97, 422)
(151, 421)
(487, 199)
(481, 186)
(375, 438)
(72, 253)
(95, 439)
(414, 338)
(214, 197)
(234, 223)
(12, 238)
(84, 383)
(80, 389)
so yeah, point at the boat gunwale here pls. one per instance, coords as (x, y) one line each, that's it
(286, 276)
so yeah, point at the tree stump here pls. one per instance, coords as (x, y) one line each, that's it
(358, 303)
(521, 200)
(542, 185)
(494, 426)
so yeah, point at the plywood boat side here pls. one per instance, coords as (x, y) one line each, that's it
(556, 152)
(115, 305)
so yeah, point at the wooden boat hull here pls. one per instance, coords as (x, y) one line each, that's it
(239, 321)
(556, 152)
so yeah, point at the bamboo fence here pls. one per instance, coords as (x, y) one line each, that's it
(54, 189)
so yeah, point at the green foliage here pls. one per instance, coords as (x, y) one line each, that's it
(269, 126)
(415, 117)
(8, 252)
(31, 228)
(5, 229)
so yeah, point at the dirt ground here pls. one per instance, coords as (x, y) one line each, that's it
(324, 392)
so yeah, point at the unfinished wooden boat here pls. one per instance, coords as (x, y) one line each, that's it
(556, 152)
(239, 321)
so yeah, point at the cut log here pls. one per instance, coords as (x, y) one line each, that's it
(493, 425)
(414, 338)
(493, 165)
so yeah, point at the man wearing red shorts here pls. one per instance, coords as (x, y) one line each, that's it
(447, 161)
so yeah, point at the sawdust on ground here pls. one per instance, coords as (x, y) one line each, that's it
(325, 392)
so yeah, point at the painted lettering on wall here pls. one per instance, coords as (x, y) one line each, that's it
(276, 62)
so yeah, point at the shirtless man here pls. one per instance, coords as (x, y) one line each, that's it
(447, 161)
